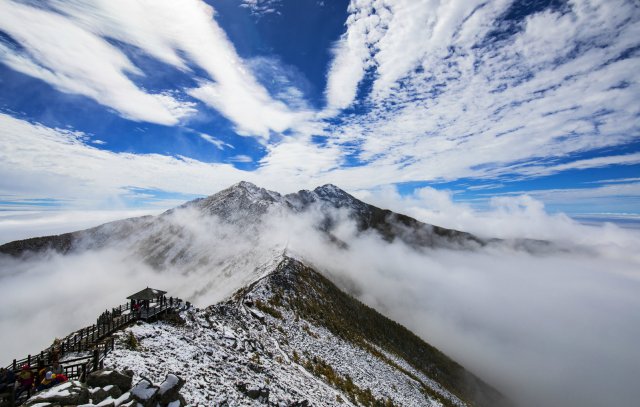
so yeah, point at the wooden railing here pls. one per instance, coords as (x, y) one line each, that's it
(92, 344)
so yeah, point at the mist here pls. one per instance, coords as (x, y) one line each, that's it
(552, 328)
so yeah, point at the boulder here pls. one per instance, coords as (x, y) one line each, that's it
(254, 392)
(112, 391)
(65, 394)
(170, 389)
(145, 393)
(108, 402)
(105, 377)
(97, 394)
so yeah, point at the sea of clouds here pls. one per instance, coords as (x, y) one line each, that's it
(558, 327)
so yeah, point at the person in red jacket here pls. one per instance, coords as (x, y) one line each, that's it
(25, 381)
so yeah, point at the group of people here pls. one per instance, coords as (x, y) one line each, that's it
(28, 379)
(138, 305)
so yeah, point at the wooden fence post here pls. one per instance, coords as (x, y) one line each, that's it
(29, 360)
(96, 356)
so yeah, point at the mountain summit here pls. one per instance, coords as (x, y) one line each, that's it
(247, 204)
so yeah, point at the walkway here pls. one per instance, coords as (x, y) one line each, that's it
(83, 351)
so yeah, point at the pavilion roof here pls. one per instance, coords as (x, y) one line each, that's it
(147, 294)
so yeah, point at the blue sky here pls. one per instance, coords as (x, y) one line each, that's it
(142, 104)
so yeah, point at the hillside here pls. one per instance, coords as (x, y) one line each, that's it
(293, 337)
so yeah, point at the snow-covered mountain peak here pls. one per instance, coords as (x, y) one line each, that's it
(240, 200)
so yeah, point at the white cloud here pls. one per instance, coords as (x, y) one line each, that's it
(16, 225)
(261, 7)
(455, 104)
(40, 162)
(185, 32)
(216, 142)
(352, 55)
(68, 48)
(522, 215)
(241, 158)
(75, 60)
(55, 163)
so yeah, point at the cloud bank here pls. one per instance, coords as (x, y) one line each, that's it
(552, 328)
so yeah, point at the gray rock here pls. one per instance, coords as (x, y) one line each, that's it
(145, 393)
(113, 391)
(97, 394)
(254, 392)
(170, 389)
(64, 394)
(105, 377)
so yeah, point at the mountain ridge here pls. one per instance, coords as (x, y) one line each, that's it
(296, 337)
(247, 202)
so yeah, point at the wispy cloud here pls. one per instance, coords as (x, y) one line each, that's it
(241, 158)
(67, 46)
(261, 7)
(42, 162)
(475, 89)
(57, 50)
(216, 142)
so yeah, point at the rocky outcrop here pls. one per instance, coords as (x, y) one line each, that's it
(169, 389)
(71, 393)
(167, 394)
(106, 377)
(104, 389)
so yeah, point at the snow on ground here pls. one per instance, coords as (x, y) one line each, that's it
(226, 349)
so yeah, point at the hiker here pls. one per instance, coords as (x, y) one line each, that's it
(49, 381)
(57, 369)
(7, 379)
(54, 354)
(25, 381)
(42, 371)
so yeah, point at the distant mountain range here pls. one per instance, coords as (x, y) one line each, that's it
(246, 204)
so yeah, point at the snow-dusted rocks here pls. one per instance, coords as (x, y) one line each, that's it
(104, 390)
(144, 392)
(169, 390)
(108, 377)
(265, 347)
(65, 394)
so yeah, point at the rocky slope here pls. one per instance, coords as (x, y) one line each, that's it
(293, 338)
